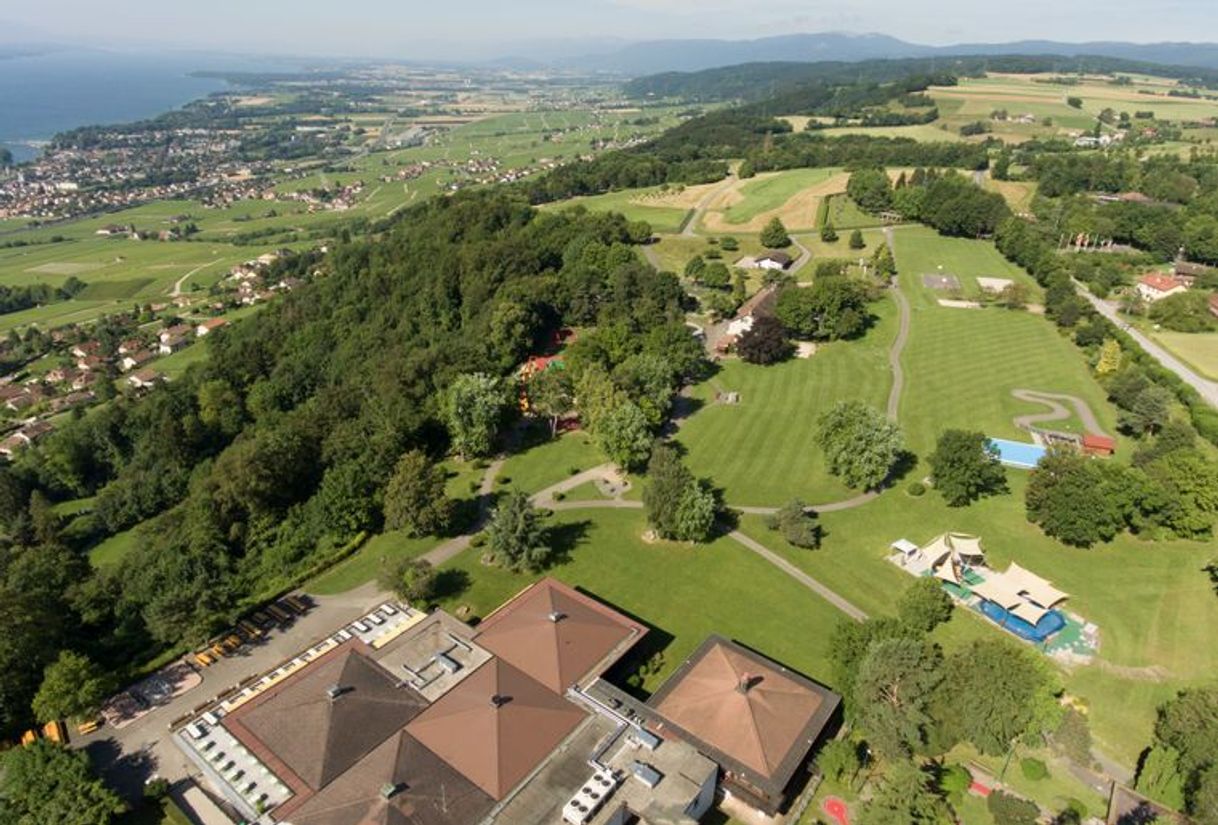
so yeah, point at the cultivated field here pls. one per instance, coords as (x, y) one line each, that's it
(792, 196)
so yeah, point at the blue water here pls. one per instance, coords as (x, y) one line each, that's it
(51, 93)
(1018, 453)
(1050, 623)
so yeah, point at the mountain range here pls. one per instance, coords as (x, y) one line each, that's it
(651, 57)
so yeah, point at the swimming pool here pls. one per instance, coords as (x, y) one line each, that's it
(1050, 623)
(1018, 453)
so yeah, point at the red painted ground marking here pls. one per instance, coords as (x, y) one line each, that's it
(836, 809)
(980, 790)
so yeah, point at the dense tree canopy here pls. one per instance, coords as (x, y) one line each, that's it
(861, 446)
(965, 467)
(47, 783)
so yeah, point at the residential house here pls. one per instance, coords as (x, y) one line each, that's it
(130, 346)
(170, 345)
(775, 261)
(145, 379)
(91, 363)
(72, 399)
(137, 359)
(24, 437)
(84, 380)
(86, 349)
(209, 326)
(175, 331)
(1156, 287)
(1188, 272)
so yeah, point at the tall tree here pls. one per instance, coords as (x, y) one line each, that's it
(412, 580)
(765, 342)
(861, 446)
(72, 687)
(474, 409)
(925, 604)
(46, 783)
(516, 536)
(774, 235)
(552, 395)
(893, 691)
(994, 692)
(625, 435)
(904, 796)
(415, 497)
(965, 466)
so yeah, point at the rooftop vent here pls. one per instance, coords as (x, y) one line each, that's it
(499, 700)
(747, 682)
(556, 616)
(447, 662)
(390, 790)
(335, 691)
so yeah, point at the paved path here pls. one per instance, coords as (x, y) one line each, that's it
(1207, 389)
(455, 546)
(1056, 403)
(690, 227)
(800, 576)
(898, 345)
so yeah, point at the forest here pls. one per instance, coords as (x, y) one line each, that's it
(276, 450)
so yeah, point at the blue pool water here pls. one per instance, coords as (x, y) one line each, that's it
(1049, 624)
(1018, 453)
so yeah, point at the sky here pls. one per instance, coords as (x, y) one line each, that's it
(463, 29)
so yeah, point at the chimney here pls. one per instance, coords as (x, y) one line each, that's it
(555, 616)
(499, 700)
(335, 691)
(745, 683)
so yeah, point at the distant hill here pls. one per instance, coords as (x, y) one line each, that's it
(658, 56)
(780, 81)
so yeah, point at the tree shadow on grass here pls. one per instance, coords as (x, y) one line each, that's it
(126, 773)
(451, 583)
(563, 539)
(1211, 570)
(907, 462)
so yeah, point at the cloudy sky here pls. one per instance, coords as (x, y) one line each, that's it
(469, 28)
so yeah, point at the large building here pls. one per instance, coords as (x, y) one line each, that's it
(419, 719)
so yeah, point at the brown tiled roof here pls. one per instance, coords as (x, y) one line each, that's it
(1161, 283)
(557, 635)
(747, 708)
(496, 726)
(318, 738)
(425, 791)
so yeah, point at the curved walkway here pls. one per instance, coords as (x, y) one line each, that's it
(690, 227)
(1056, 403)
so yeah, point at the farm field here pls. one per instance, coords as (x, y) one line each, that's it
(793, 196)
(761, 451)
(1018, 194)
(738, 594)
(926, 132)
(634, 205)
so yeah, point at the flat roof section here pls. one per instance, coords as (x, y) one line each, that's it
(749, 713)
(316, 736)
(434, 655)
(558, 635)
(496, 726)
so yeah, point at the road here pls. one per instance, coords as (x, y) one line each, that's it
(177, 287)
(1206, 388)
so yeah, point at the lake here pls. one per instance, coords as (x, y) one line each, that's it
(46, 94)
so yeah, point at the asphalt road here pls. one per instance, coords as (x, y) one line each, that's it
(1208, 389)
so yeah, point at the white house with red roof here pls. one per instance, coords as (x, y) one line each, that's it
(1156, 287)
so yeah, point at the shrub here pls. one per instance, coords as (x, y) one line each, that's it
(1033, 769)
(916, 489)
(954, 781)
(1011, 810)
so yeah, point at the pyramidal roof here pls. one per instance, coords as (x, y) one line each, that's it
(556, 634)
(742, 706)
(496, 726)
(318, 736)
(399, 783)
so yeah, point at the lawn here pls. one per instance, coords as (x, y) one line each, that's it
(1198, 349)
(737, 594)
(112, 551)
(551, 461)
(363, 567)
(762, 451)
(1152, 602)
(841, 247)
(845, 214)
(963, 364)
